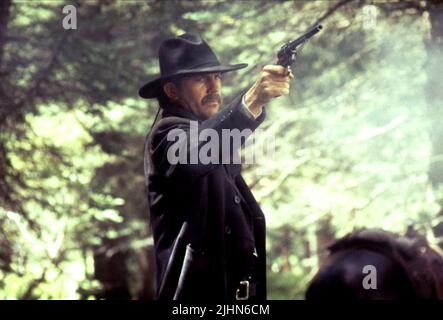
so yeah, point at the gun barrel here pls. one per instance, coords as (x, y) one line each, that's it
(295, 43)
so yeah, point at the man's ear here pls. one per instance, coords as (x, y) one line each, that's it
(170, 90)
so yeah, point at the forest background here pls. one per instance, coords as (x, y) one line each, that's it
(358, 142)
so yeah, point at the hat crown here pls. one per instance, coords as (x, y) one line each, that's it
(182, 55)
(185, 52)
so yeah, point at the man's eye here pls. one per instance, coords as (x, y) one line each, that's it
(218, 76)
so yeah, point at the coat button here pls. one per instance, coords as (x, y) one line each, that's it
(227, 230)
(237, 199)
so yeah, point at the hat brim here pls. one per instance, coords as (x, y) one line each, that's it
(152, 89)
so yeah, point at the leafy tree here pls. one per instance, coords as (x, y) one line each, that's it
(357, 142)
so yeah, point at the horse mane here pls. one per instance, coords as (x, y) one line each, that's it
(422, 263)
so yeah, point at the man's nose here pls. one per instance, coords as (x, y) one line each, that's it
(213, 85)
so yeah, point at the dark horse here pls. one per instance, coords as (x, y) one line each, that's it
(406, 268)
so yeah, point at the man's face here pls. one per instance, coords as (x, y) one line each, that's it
(200, 94)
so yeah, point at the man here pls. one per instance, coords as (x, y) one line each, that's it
(209, 232)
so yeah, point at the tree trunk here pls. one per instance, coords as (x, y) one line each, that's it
(325, 236)
(5, 6)
(434, 98)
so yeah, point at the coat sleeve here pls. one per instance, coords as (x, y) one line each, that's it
(231, 118)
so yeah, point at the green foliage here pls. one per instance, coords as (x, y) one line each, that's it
(352, 142)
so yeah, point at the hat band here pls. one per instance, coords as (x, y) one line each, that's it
(190, 68)
(205, 65)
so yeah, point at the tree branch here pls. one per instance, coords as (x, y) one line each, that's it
(331, 10)
(34, 284)
(401, 6)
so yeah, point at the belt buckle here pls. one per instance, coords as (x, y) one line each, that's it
(237, 293)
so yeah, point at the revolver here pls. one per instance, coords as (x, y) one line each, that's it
(287, 53)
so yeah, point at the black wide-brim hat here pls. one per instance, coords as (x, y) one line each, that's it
(185, 54)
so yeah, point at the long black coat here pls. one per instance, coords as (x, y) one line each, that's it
(209, 232)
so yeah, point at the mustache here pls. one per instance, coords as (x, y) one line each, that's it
(212, 97)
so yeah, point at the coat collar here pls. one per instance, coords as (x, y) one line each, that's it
(177, 111)
(174, 110)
